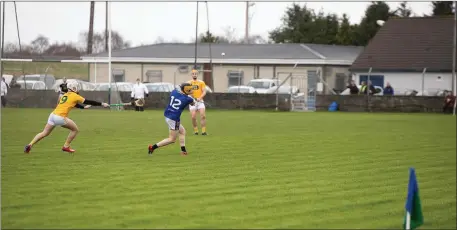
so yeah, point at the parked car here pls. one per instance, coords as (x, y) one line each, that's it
(48, 79)
(429, 92)
(83, 85)
(263, 84)
(115, 86)
(379, 90)
(241, 89)
(33, 85)
(159, 87)
(284, 89)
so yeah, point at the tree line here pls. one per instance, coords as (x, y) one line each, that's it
(299, 24)
(42, 46)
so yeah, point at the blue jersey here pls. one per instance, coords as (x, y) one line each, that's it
(177, 103)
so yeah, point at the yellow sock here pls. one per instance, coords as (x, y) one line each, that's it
(196, 130)
(203, 129)
(66, 145)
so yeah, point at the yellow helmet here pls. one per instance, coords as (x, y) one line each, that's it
(186, 88)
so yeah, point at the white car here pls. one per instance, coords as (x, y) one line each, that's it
(263, 84)
(159, 87)
(115, 86)
(83, 85)
(284, 89)
(241, 89)
(33, 85)
(347, 91)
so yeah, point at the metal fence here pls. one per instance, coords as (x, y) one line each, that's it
(419, 83)
(47, 72)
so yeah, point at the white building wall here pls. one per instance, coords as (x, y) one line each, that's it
(402, 82)
(266, 71)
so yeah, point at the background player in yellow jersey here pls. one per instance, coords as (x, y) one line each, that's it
(199, 92)
(59, 117)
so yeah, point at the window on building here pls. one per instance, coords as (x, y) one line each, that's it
(118, 75)
(313, 79)
(235, 78)
(154, 76)
(197, 67)
(183, 68)
(340, 81)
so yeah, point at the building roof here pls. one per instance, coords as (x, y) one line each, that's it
(409, 44)
(237, 53)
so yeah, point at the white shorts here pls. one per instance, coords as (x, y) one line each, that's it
(198, 105)
(173, 125)
(56, 120)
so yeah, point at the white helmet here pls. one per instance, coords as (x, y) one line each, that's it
(73, 86)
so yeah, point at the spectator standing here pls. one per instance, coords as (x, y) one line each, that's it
(388, 90)
(4, 91)
(449, 101)
(138, 92)
(363, 88)
(353, 89)
(371, 88)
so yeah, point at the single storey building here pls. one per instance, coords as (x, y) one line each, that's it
(411, 54)
(232, 64)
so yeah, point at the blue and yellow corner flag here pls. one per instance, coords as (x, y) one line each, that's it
(414, 217)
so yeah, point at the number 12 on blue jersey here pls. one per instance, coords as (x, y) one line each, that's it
(175, 103)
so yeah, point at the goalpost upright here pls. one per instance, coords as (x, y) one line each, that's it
(110, 74)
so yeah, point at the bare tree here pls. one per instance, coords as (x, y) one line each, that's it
(230, 34)
(11, 48)
(63, 49)
(98, 44)
(40, 44)
(403, 10)
(159, 40)
(255, 39)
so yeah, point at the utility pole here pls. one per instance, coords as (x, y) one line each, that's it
(246, 32)
(106, 26)
(90, 34)
(247, 22)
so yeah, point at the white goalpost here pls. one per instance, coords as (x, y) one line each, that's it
(110, 71)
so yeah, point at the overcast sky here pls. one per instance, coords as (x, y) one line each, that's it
(143, 22)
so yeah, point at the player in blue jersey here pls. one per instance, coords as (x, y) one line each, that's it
(179, 100)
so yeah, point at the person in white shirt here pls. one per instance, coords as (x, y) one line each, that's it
(4, 91)
(138, 92)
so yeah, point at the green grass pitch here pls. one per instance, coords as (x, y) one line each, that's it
(254, 170)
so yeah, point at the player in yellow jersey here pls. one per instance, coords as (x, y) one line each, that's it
(198, 94)
(59, 117)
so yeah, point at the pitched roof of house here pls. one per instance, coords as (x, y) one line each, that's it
(245, 52)
(409, 44)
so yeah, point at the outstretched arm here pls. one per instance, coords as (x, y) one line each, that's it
(79, 106)
(94, 103)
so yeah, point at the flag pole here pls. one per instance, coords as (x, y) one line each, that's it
(408, 221)
(454, 48)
